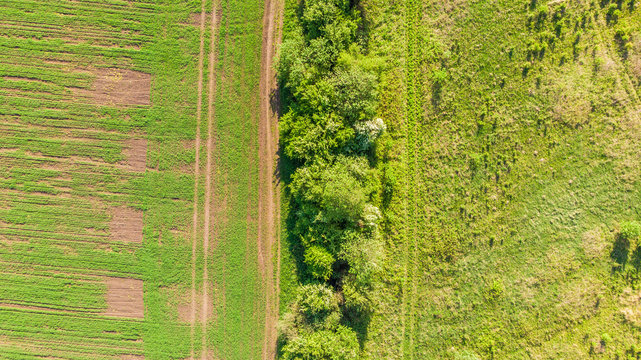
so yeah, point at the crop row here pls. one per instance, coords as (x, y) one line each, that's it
(45, 292)
(53, 13)
(62, 176)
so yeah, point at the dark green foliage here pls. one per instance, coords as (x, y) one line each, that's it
(327, 130)
(319, 262)
(630, 232)
(354, 95)
(625, 242)
(339, 344)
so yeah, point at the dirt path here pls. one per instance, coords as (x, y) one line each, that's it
(269, 200)
(211, 113)
(199, 105)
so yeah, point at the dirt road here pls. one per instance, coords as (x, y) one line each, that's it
(199, 106)
(269, 199)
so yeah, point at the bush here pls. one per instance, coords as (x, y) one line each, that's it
(495, 291)
(339, 344)
(367, 132)
(316, 300)
(319, 262)
(355, 94)
(630, 232)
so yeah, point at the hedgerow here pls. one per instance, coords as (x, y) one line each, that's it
(327, 132)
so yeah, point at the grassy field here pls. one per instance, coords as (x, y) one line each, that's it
(97, 184)
(519, 146)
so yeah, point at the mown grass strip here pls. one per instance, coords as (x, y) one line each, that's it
(413, 113)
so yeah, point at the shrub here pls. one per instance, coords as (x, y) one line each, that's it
(630, 232)
(355, 94)
(495, 291)
(368, 131)
(339, 344)
(316, 302)
(319, 262)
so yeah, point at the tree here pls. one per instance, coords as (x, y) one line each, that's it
(355, 94)
(316, 302)
(319, 262)
(339, 344)
(318, 13)
(339, 190)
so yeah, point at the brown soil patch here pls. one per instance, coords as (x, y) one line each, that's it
(132, 357)
(124, 298)
(118, 87)
(136, 152)
(126, 225)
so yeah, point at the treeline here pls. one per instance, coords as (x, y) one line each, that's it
(327, 133)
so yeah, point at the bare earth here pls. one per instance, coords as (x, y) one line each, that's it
(124, 298)
(126, 225)
(136, 153)
(269, 201)
(206, 295)
(117, 87)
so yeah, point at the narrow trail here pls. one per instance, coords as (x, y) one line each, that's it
(211, 113)
(194, 240)
(269, 199)
(413, 116)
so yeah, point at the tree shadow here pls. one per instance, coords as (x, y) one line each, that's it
(359, 322)
(620, 251)
(635, 258)
(437, 93)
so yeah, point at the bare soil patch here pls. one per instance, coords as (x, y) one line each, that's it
(126, 225)
(118, 87)
(136, 152)
(595, 244)
(124, 298)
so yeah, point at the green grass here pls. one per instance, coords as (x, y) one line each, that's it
(59, 179)
(522, 158)
(238, 300)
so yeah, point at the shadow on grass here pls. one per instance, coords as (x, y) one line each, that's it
(620, 252)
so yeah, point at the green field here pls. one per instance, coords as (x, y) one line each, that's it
(509, 180)
(98, 122)
(520, 149)
(405, 179)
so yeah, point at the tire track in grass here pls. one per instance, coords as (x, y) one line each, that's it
(268, 201)
(411, 213)
(199, 105)
(211, 113)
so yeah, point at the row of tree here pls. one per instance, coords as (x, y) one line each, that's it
(327, 132)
